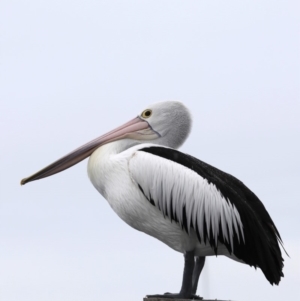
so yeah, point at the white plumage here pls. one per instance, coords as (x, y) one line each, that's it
(166, 180)
(161, 179)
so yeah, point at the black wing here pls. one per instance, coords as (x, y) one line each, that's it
(260, 247)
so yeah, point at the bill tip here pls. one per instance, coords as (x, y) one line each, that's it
(23, 181)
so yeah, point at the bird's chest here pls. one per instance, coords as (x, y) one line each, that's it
(110, 176)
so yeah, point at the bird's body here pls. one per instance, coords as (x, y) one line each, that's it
(111, 168)
(192, 207)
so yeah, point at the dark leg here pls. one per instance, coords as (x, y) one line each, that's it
(186, 287)
(187, 281)
(199, 264)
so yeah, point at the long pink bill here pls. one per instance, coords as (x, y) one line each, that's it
(135, 129)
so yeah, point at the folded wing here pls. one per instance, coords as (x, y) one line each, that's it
(219, 207)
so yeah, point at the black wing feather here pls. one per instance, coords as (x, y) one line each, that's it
(261, 247)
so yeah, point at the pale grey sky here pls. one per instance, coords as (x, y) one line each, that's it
(72, 70)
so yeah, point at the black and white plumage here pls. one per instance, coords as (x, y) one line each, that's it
(189, 205)
(219, 207)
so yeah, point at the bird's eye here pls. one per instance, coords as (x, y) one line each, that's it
(147, 113)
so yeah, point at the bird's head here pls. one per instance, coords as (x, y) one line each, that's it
(171, 120)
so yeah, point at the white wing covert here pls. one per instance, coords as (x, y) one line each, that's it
(186, 197)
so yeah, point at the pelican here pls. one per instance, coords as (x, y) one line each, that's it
(189, 205)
